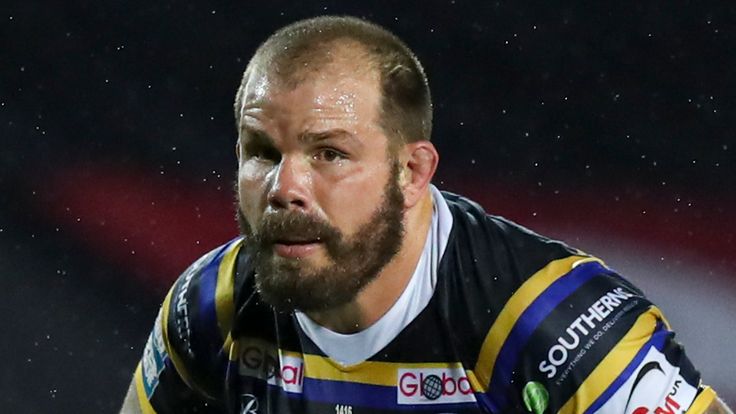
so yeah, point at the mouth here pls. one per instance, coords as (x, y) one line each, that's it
(294, 248)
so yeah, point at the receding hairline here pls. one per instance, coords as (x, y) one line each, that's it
(338, 52)
(295, 51)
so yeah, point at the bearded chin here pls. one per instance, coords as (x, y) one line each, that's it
(289, 284)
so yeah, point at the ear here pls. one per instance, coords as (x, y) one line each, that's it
(418, 164)
(237, 150)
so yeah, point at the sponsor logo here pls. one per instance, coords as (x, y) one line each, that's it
(264, 362)
(669, 406)
(181, 310)
(434, 386)
(249, 404)
(646, 369)
(152, 362)
(656, 387)
(536, 397)
(583, 326)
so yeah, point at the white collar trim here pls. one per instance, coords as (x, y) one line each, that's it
(350, 349)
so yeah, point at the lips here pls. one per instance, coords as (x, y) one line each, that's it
(295, 248)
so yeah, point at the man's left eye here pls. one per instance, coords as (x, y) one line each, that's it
(328, 155)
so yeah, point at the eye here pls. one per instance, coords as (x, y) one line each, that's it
(328, 155)
(262, 153)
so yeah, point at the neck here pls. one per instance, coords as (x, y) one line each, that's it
(377, 297)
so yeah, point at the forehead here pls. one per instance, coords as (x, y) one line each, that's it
(340, 79)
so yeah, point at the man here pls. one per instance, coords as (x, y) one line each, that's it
(357, 287)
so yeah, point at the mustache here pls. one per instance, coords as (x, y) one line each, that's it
(294, 226)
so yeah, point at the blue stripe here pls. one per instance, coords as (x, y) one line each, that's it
(363, 395)
(207, 326)
(528, 322)
(657, 341)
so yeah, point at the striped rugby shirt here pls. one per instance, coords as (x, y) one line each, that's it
(514, 322)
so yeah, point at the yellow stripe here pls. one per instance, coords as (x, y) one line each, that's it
(175, 358)
(224, 304)
(702, 401)
(474, 383)
(143, 402)
(508, 316)
(367, 372)
(614, 363)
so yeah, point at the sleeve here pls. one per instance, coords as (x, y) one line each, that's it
(184, 362)
(160, 387)
(578, 338)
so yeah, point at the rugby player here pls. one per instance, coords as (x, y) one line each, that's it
(359, 287)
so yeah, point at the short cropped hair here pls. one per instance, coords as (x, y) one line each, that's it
(406, 103)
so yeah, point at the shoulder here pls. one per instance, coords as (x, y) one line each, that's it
(555, 321)
(197, 314)
(497, 246)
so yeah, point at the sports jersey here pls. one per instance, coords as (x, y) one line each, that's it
(513, 322)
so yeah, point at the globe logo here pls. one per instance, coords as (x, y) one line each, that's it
(432, 387)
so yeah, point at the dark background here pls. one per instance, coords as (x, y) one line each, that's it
(117, 157)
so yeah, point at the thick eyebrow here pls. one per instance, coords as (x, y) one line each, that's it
(338, 134)
(254, 135)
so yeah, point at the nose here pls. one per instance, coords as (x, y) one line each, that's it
(289, 188)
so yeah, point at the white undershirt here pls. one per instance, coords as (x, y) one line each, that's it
(350, 349)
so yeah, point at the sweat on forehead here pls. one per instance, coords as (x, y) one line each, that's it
(290, 66)
(326, 44)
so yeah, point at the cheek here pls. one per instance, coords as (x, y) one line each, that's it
(352, 201)
(252, 190)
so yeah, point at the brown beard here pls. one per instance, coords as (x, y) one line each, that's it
(289, 284)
